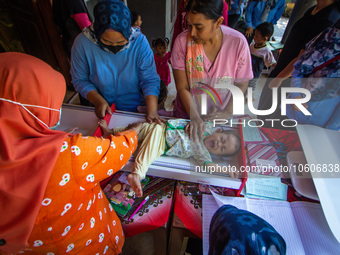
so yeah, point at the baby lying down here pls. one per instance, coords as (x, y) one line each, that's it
(172, 139)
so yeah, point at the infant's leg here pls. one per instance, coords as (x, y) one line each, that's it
(151, 148)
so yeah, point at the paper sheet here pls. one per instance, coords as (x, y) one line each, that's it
(251, 134)
(265, 187)
(315, 233)
(209, 208)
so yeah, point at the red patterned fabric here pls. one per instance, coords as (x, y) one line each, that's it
(289, 138)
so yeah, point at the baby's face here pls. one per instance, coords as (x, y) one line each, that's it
(221, 143)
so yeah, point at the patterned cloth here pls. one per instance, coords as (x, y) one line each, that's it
(112, 14)
(163, 69)
(179, 144)
(325, 102)
(235, 231)
(75, 216)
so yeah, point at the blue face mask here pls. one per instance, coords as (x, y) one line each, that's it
(56, 125)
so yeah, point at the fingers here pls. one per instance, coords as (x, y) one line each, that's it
(187, 129)
(108, 108)
(201, 131)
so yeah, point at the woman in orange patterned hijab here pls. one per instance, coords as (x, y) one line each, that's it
(49, 197)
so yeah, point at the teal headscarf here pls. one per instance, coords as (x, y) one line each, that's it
(112, 14)
(239, 232)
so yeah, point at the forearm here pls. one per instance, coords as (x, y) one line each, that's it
(287, 71)
(151, 103)
(228, 110)
(95, 98)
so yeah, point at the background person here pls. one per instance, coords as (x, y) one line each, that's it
(112, 61)
(71, 17)
(162, 58)
(235, 11)
(324, 14)
(320, 75)
(258, 12)
(51, 200)
(261, 54)
(136, 20)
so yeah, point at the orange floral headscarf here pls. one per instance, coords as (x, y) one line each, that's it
(29, 149)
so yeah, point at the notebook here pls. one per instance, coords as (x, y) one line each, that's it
(301, 224)
(120, 194)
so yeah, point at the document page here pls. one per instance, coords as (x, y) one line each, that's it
(315, 233)
(210, 206)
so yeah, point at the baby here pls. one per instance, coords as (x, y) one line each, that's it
(172, 139)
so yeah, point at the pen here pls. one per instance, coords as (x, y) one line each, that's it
(140, 206)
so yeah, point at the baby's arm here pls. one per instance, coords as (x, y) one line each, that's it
(106, 131)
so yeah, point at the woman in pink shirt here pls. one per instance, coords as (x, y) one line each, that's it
(210, 53)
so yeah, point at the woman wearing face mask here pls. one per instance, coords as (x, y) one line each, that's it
(50, 200)
(211, 53)
(112, 61)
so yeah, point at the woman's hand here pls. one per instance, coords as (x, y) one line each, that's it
(100, 104)
(196, 126)
(151, 110)
(249, 31)
(101, 109)
(154, 117)
(136, 126)
(275, 83)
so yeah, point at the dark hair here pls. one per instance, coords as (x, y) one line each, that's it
(163, 92)
(160, 41)
(135, 16)
(266, 29)
(212, 9)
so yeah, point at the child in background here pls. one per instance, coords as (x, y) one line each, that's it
(163, 93)
(261, 55)
(136, 20)
(162, 59)
(172, 139)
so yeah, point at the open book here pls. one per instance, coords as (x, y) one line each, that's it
(174, 167)
(301, 224)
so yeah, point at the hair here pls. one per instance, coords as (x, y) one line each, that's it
(266, 29)
(135, 16)
(238, 142)
(163, 93)
(160, 41)
(212, 9)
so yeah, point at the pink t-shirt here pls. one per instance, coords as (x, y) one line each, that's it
(232, 63)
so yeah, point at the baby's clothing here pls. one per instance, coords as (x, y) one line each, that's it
(260, 57)
(163, 69)
(168, 139)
